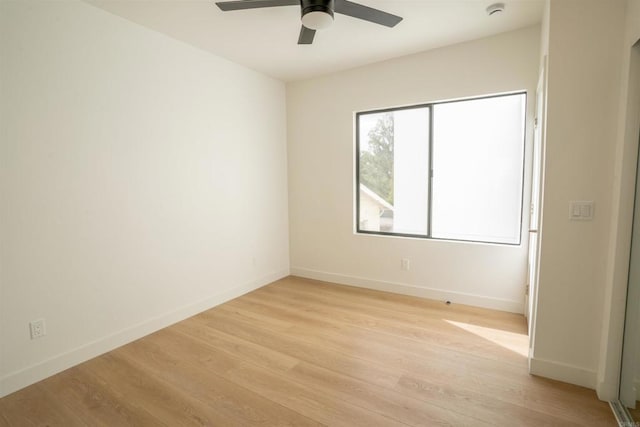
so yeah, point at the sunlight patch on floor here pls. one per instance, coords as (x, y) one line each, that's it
(518, 343)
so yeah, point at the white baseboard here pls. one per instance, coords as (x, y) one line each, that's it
(607, 391)
(563, 372)
(25, 377)
(405, 289)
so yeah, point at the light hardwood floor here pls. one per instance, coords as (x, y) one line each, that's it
(635, 413)
(300, 352)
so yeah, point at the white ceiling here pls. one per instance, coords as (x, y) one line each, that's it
(266, 39)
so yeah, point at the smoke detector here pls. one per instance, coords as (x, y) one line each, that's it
(495, 9)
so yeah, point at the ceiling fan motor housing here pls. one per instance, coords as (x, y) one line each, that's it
(324, 6)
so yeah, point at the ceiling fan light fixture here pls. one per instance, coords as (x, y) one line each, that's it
(317, 20)
(317, 14)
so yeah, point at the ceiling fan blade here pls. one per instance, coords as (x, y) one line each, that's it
(366, 13)
(254, 4)
(306, 35)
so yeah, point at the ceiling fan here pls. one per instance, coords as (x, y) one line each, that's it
(317, 14)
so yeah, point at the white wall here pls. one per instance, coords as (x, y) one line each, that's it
(584, 67)
(321, 173)
(141, 181)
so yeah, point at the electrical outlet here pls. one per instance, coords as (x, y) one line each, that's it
(37, 328)
(406, 264)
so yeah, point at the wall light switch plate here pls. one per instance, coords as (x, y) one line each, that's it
(581, 210)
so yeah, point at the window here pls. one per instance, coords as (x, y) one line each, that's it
(448, 170)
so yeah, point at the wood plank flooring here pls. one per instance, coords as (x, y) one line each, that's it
(305, 353)
(635, 413)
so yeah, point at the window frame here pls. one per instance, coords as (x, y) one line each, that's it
(430, 106)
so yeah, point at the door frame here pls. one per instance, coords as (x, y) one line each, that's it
(631, 338)
(609, 369)
(535, 229)
(621, 336)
